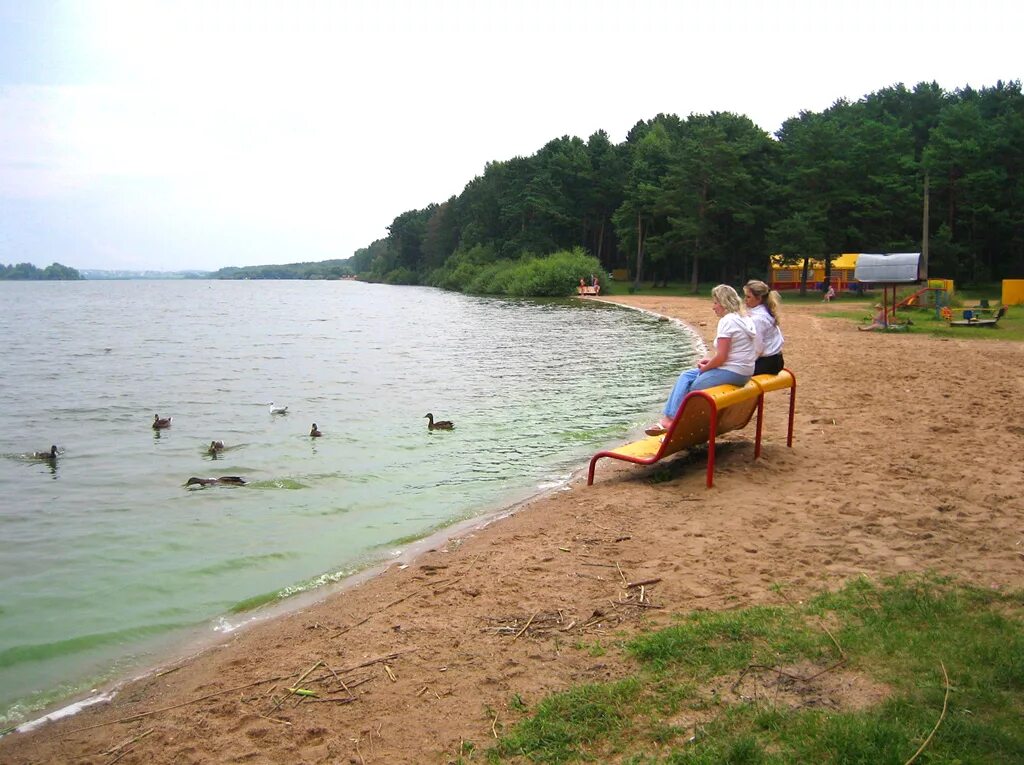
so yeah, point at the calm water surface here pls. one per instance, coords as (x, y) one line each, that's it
(105, 557)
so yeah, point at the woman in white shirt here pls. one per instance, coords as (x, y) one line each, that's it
(732, 362)
(763, 304)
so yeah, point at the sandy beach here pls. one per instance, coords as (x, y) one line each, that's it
(908, 456)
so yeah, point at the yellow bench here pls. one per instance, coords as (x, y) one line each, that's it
(704, 415)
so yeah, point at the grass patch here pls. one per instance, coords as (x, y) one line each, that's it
(924, 321)
(854, 676)
(564, 724)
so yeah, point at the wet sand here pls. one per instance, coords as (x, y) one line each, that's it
(908, 457)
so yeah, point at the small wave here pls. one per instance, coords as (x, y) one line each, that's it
(279, 483)
(263, 599)
(70, 709)
(237, 564)
(224, 626)
(254, 602)
(31, 652)
(408, 539)
(317, 581)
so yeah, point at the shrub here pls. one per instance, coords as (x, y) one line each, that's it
(555, 275)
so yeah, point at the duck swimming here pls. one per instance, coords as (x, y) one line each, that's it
(224, 480)
(50, 455)
(278, 409)
(161, 422)
(314, 433)
(215, 447)
(440, 425)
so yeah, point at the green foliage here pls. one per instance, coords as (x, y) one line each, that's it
(898, 637)
(713, 643)
(923, 320)
(400, 275)
(28, 272)
(462, 267)
(326, 269)
(370, 259)
(478, 271)
(493, 278)
(564, 723)
(554, 276)
(711, 197)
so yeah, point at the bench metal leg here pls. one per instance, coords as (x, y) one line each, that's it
(792, 411)
(711, 445)
(760, 421)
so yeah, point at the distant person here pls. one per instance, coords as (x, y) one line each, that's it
(732, 362)
(877, 322)
(829, 294)
(763, 306)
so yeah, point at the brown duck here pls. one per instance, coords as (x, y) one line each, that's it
(159, 423)
(224, 480)
(439, 425)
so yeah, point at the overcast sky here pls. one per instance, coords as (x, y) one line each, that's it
(181, 134)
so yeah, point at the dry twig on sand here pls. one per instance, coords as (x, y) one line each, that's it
(393, 603)
(642, 583)
(177, 706)
(295, 689)
(126, 742)
(526, 626)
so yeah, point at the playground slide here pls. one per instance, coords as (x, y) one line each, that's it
(910, 299)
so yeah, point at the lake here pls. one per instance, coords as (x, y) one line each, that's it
(107, 559)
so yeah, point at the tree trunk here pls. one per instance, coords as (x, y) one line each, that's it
(924, 229)
(701, 212)
(639, 250)
(803, 276)
(951, 205)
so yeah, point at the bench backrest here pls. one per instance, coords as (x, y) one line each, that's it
(730, 407)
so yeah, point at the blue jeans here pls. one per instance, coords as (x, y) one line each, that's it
(692, 379)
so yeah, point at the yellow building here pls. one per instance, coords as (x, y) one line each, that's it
(787, 277)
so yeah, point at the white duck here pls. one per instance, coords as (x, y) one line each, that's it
(278, 409)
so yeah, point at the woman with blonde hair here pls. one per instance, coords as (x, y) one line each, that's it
(732, 362)
(763, 304)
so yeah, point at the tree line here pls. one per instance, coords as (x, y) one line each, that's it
(711, 197)
(325, 269)
(29, 272)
